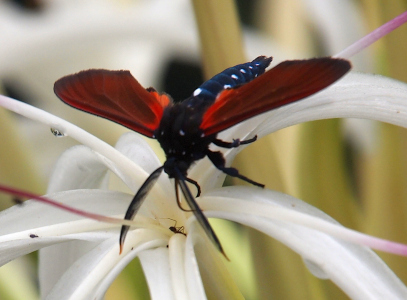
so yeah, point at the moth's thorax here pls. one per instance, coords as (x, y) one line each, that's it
(180, 136)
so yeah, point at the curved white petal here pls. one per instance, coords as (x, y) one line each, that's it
(357, 270)
(237, 202)
(176, 247)
(205, 272)
(42, 225)
(15, 247)
(78, 167)
(37, 214)
(192, 274)
(156, 267)
(90, 276)
(128, 171)
(53, 226)
(49, 226)
(81, 167)
(133, 146)
(357, 95)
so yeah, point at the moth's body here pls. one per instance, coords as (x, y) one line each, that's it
(180, 134)
(185, 130)
(181, 137)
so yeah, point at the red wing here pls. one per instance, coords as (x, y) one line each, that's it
(114, 95)
(288, 82)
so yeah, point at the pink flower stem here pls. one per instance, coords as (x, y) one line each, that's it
(97, 217)
(373, 36)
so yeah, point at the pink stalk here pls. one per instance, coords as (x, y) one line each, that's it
(97, 217)
(372, 37)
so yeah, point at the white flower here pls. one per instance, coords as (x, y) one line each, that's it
(81, 180)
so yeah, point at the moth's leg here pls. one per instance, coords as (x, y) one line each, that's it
(176, 184)
(198, 188)
(234, 144)
(219, 161)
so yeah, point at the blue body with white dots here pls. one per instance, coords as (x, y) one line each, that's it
(232, 77)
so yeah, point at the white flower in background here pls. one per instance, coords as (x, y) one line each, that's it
(92, 259)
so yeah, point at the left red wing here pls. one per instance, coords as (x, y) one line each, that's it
(286, 83)
(114, 95)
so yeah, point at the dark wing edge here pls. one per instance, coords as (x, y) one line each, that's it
(286, 83)
(114, 95)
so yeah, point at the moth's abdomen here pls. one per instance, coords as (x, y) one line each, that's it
(232, 77)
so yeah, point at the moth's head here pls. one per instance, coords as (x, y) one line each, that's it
(174, 166)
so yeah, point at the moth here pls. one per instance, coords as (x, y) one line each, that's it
(186, 129)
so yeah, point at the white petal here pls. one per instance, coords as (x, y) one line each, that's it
(209, 176)
(156, 268)
(357, 95)
(153, 242)
(176, 247)
(162, 197)
(37, 214)
(128, 171)
(133, 146)
(360, 273)
(54, 226)
(78, 167)
(355, 269)
(91, 275)
(205, 272)
(192, 274)
(162, 205)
